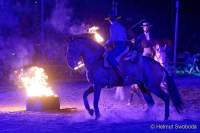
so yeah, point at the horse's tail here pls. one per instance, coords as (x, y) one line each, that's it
(173, 92)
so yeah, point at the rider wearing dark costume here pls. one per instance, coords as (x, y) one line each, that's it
(144, 41)
(117, 41)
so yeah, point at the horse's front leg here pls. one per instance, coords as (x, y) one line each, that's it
(85, 100)
(97, 93)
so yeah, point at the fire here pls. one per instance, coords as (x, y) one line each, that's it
(34, 80)
(97, 36)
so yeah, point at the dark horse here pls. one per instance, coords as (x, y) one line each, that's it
(145, 72)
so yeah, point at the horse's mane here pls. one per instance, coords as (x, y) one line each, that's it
(88, 39)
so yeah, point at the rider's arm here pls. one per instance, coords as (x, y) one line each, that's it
(138, 46)
(112, 36)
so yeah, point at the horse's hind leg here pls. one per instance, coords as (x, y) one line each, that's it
(147, 95)
(164, 96)
(85, 100)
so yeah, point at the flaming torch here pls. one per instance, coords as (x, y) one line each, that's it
(40, 96)
(97, 36)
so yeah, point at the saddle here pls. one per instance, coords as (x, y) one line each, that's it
(127, 55)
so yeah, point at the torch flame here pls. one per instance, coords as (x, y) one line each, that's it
(97, 36)
(34, 80)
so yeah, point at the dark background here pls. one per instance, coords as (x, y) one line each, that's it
(160, 13)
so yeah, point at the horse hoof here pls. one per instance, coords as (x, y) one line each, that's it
(97, 117)
(128, 104)
(91, 112)
(166, 118)
(148, 110)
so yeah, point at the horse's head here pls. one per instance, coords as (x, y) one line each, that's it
(73, 54)
(85, 48)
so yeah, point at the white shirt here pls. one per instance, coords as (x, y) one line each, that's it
(147, 36)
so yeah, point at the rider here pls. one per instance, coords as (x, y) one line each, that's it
(117, 41)
(144, 46)
(144, 41)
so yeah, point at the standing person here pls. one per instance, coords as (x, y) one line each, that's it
(144, 41)
(117, 42)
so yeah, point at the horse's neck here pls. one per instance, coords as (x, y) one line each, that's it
(92, 55)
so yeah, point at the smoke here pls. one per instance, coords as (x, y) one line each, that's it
(62, 16)
(15, 53)
(63, 19)
(17, 50)
(77, 29)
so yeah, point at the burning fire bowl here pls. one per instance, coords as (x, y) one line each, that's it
(43, 103)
